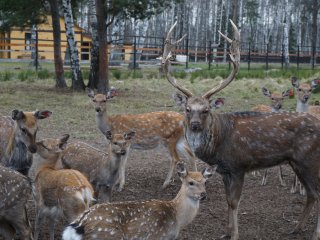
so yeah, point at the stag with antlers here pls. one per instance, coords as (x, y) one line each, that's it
(241, 142)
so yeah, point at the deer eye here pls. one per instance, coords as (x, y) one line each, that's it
(94, 100)
(115, 143)
(24, 131)
(188, 109)
(272, 99)
(310, 90)
(104, 101)
(299, 89)
(205, 111)
(191, 183)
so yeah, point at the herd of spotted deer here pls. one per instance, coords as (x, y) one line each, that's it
(75, 180)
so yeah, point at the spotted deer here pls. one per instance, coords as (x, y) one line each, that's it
(154, 219)
(241, 142)
(276, 102)
(58, 193)
(102, 169)
(152, 129)
(15, 191)
(304, 92)
(17, 139)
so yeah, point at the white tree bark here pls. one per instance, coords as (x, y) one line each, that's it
(226, 31)
(77, 81)
(286, 34)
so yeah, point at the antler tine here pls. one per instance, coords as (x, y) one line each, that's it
(168, 47)
(235, 60)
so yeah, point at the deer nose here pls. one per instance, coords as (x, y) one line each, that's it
(195, 125)
(305, 98)
(203, 195)
(32, 148)
(98, 109)
(123, 152)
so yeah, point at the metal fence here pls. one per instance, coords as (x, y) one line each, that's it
(137, 50)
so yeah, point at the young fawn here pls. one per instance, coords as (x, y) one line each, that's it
(17, 139)
(152, 129)
(154, 219)
(15, 191)
(102, 169)
(58, 193)
(276, 102)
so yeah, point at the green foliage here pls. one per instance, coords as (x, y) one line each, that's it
(44, 74)
(20, 13)
(137, 74)
(6, 76)
(179, 74)
(116, 74)
(26, 75)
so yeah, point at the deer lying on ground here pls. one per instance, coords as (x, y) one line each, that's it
(17, 139)
(101, 169)
(15, 190)
(58, 193)
(154, 219)
(304, 92)
(276, 102)
(152, 129)
(245, 141)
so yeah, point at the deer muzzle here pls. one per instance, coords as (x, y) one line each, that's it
(98, 109)
(195, 126)
(33, 148)
(203, 196)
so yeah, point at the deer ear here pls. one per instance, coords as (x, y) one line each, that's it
(17, 115)
(42, 114)
(314, 84)
(63, 141)
(218, 103)
(182, 170)
(180, 99)
(295, 82)
(90, 92)
(266, 92)
(209, 171)
(286, 93)
(129, 135)
(108, 135)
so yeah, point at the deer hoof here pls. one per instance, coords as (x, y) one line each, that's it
(225, 236)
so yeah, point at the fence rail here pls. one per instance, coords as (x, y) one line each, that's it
(135, 50)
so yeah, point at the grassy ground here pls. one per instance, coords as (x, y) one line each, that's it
(262, 210)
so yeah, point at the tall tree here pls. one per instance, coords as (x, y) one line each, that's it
(58, 63)
(77, 81)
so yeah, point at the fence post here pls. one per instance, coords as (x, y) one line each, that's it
(298, 57)
(135, 53)
(249, 57)
(209, 56)
(187, 52)
(37, 52)
(282, 56)
(267, 57)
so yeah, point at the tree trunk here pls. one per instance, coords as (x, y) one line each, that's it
(286, 35)
(58, 64)
(77, 81)
(315, 9)
(103, 83)
(226, 30)
(94, 53)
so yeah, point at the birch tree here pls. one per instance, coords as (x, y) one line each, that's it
(77, 81)
(286, 35)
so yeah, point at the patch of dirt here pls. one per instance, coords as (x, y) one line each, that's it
(266, 212)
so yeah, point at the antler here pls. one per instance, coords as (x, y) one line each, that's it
(168, 48)
(235, 59)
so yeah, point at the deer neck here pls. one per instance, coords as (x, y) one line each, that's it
(48, 163)
(274, 110)
(186, 208)
(203, 143)
(103, 121)
(302, 107)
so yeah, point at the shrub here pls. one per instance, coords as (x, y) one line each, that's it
(26, 75)
(137, 74)
(6, 76)
(116, 74)
(44, 74)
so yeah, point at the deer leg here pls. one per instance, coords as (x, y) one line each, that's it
(6, 230)
(282, 182)
(122, 171)
(173, 162)
(264, 178)
(316, 235)
(38, 223)
(294, 185)
(233, 187)
(52, 226)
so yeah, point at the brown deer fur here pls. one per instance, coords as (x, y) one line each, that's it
(58, 193)
(17, 139)
(152, 129)
(101, 168)
(154, 219)
(15, 190)
(247, 141)
(276, 102)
